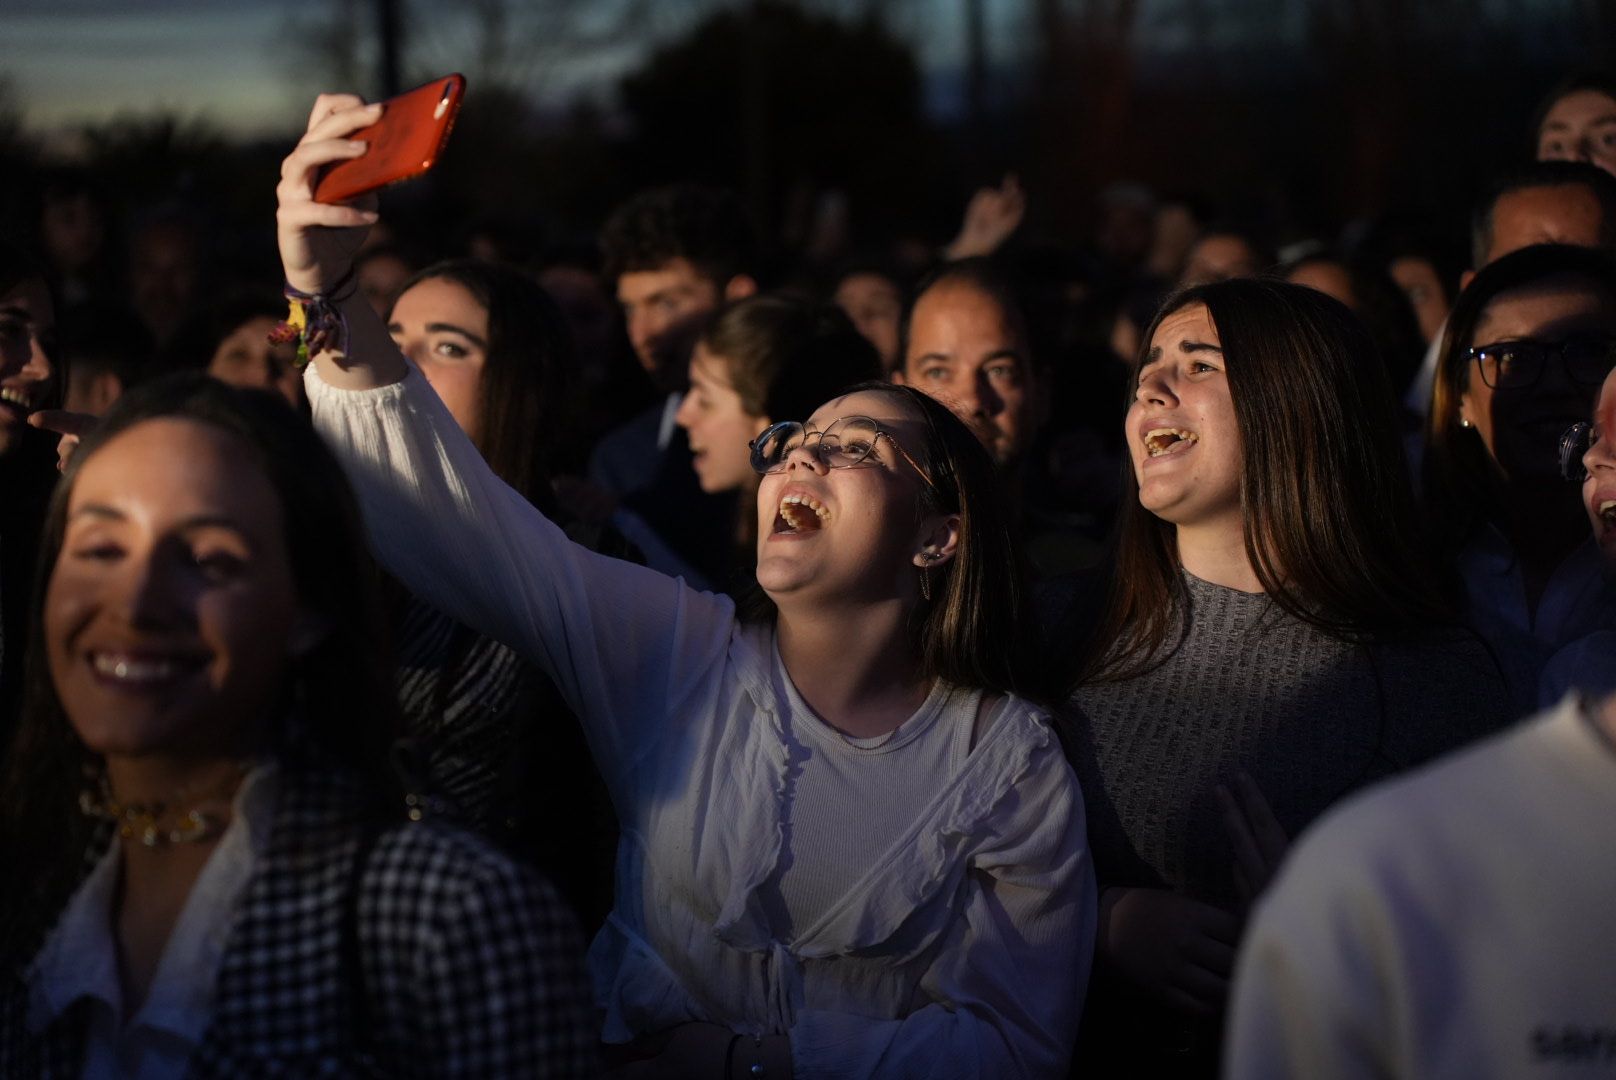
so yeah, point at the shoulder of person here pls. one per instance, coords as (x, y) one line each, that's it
(432, 867)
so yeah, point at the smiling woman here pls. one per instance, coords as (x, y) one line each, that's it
(197, 791)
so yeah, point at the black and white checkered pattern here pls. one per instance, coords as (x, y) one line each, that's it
(471, 964)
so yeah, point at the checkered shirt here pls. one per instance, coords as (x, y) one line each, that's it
(471, 964)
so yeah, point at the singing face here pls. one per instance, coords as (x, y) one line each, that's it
(1182, 432)
(832, 535)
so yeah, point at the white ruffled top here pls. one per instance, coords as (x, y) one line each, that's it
(951, 937)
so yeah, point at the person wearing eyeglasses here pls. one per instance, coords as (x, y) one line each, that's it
(850, 845)
(1528, 344)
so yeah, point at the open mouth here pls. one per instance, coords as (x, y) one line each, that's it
(800, 514)
(1607, 513)
(1162, 441)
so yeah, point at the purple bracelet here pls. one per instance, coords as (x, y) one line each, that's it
(314, 321)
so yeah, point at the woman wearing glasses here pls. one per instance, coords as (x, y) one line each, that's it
(848, 847)
(1529, 342)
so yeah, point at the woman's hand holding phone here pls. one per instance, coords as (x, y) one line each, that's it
(318, 241)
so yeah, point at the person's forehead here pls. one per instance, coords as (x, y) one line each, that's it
(960, 315)
(708, 366)
(676, 274)
(1539, 306)
(885, 409)
(1581, 106)
(183, 467)
(435, 300)
(1192, 321)
(1569, 210)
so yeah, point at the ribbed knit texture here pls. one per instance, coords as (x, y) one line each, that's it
(1252, 688)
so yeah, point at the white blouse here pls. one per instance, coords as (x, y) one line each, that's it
(961, 950)
(80, 957)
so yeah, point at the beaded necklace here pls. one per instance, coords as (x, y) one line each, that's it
(194, 813)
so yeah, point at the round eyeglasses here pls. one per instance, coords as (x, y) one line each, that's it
(1514, 365)
(846, 442)
(1578, 439)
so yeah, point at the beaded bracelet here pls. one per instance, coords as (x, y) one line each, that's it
(314, 321)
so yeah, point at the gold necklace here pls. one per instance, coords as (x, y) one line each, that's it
(186, 817)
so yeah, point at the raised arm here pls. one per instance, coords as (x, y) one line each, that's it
(626, 646)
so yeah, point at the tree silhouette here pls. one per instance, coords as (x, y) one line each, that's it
(776, 101)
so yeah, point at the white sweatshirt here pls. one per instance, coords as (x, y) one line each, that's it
(1458, 922)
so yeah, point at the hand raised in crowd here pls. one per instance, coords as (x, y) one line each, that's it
(318, 241)
(1258, 839)
(71, 426)
(1178, 950)
(990, 217)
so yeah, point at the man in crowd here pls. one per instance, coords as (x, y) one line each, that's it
(676, 254)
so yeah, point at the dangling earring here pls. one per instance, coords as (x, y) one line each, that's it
(925, 582)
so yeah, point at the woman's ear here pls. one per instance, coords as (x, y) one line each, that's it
(1466, 419)
(939, 539)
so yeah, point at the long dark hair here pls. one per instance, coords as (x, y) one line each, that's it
(527, 377)
(340, 710)
(975, 630)
(1324, 488)
(1463, 489)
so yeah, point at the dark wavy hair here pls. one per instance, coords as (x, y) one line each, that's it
(975, 632)
(1329, 518)
(527, 378)
(705, 226)
(339, 709)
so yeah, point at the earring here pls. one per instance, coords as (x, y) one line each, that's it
(1465, 423)
(925, 582)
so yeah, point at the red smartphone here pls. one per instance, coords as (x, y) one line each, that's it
(403, 144)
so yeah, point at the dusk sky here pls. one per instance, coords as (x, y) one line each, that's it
(237, 63)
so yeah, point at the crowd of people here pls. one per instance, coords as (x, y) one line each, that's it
(1181, 656)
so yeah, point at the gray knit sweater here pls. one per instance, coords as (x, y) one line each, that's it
(1253, 688)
